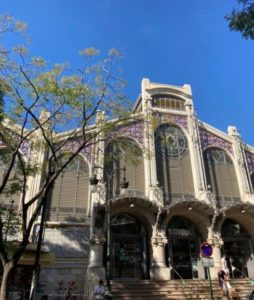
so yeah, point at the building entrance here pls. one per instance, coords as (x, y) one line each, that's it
(183, 251)
(237, 248)
(129, 247)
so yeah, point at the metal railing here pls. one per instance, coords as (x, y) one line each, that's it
(128, 193)
(177, 273)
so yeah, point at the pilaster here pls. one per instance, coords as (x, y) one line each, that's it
(240, 167)
(196, 154)
(95, 269)
(151, 181)
(216, 242)
(159, 270)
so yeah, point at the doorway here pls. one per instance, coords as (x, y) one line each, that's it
(237, 248)
(129, 248)
(183, 250)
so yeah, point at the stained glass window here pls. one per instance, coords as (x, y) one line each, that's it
(170, 141)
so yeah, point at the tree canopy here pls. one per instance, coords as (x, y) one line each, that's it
(242, 19)
(39, 103)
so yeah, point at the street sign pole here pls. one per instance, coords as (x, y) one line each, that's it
(210, 282)
(207, 251)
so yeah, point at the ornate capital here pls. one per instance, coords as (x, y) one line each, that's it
(97, 239)
(159, 241)
(215, 241)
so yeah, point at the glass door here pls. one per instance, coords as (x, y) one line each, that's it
(237, 253)
(181, 258)
(127, 256)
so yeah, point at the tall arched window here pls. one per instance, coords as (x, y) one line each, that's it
(13, 187)
(69, 196)
(221, 175)
(124, 153)
(173, 163)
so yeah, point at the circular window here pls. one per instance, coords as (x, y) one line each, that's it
(170, 141)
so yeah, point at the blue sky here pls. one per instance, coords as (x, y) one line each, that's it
(167, 41)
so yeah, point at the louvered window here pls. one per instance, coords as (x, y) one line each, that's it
(173, 163)
(221, 175)
(69, 196)
(120, 154)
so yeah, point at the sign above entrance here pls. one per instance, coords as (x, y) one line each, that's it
(206, 249)
(207, 262)
(179, 232)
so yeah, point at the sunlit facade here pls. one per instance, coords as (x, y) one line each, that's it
(188, 183)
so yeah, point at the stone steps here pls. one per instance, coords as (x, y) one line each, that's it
(174, 289)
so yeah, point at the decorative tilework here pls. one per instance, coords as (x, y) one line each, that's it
(134, 130)
(209, 139)
(250, 160)
(182, 121)
(25, 148)
(73, 145)
(179, 120)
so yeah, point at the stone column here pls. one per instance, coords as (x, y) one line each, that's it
(95, 269)
(159, 270)
(153, 192)
(196, 154)
(240, 166)
(216, 242)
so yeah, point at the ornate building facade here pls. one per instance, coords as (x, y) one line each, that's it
(188, 183)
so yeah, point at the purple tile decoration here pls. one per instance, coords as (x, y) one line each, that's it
(25, 148)
(250, 160)
(179, 120)
(209, 139)
(182, 121)
(134, 130)
(73, 145)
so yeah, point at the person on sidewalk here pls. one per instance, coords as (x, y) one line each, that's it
(99, 291)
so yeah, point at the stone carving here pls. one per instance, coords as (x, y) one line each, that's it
(159, 240)
(216, 240)
(209, 139)
(97, 239)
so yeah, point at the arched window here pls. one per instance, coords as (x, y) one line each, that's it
(69, 196)
(12, 191)
(119, 154)
(221, 175)
(168, 102)
(173, 163)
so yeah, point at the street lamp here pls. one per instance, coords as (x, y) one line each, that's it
(124, 184)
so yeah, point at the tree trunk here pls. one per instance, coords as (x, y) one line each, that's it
(4, 284)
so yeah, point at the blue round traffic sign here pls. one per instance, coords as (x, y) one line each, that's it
(206, 249)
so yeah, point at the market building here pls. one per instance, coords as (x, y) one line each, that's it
(185, 183)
